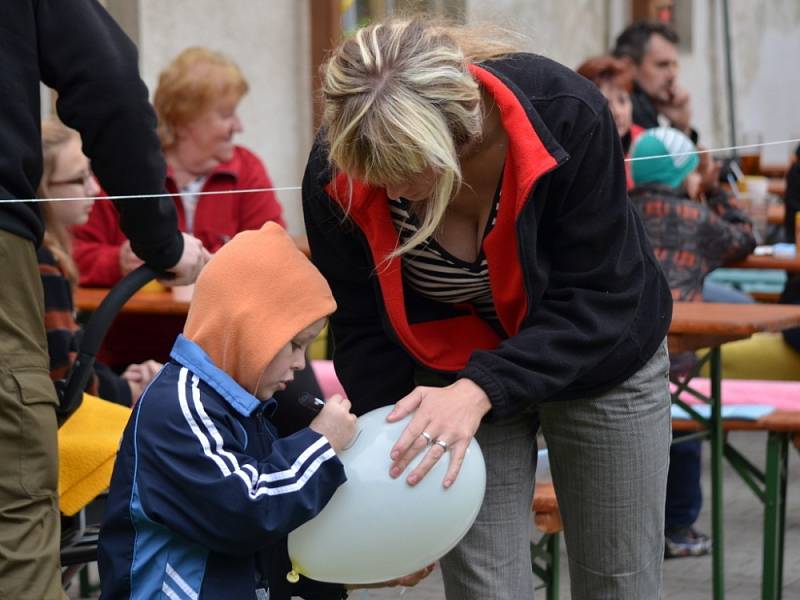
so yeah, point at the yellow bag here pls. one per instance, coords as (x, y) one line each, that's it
(87, 448)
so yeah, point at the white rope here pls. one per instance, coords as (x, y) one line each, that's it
(714, 150)
(293, 188)
(133, 196)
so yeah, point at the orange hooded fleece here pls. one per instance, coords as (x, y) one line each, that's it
(256, 294)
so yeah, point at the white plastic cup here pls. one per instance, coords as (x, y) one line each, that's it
(757, 187)
(758, 207)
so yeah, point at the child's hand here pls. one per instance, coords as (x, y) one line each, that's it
(336, 422)
(136, 391)
(138, 376)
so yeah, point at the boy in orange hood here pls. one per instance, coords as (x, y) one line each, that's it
(204, 493)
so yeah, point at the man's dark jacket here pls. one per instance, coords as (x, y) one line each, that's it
(75, 47)
(579, 294)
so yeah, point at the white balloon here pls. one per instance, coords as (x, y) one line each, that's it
(376, 528)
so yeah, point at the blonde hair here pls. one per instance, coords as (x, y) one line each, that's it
(188, 86)
(57, 239)
(399, 99)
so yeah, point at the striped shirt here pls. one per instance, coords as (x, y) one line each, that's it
(436, 274)
(64, 333)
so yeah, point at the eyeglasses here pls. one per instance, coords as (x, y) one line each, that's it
(84, 179)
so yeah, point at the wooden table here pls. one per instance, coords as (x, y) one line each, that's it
(697, 325)
(776, 170)
(777, 187)
(776, 214)
(767, 262)
(708, 325)
(142, 302)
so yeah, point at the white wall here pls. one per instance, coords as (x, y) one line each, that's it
(269, 40)
(566, 31)
(702, 73)
(766, 56)
(766, 43)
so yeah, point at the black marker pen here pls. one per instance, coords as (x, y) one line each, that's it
(310, 402)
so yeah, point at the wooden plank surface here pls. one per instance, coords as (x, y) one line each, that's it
(711, 318)
(143, 302)
(774, 170)
(767, 262)
(780, 420)
(776, 214)
(698, 325)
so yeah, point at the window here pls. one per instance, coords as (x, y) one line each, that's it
(356, 13)
(676, 14)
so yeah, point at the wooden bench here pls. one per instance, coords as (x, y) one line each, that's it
(545, 552)
(771, 297)
(769, 485)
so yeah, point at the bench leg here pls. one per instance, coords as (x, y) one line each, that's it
(717, 444)
(545, 562)
(774, 516)
(555, 560)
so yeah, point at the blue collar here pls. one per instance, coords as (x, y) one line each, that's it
(194, 358)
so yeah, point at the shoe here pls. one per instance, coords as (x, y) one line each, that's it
(685, 541)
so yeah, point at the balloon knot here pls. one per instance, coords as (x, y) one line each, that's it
(292, 576)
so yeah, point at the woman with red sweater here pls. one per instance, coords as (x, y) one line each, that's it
(196, 103)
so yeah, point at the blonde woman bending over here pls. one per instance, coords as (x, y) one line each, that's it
(467, 204)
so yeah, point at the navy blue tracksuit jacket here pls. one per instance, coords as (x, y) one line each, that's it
(204, 494)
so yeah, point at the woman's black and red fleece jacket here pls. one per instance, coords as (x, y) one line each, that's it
(576, 286)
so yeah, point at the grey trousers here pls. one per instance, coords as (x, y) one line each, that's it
(609, 457)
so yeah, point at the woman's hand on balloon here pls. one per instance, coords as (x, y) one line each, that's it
(407, 581)
(450, 415)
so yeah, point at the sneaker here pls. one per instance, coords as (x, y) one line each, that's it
(685, 541)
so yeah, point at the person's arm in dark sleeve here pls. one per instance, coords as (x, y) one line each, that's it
(598, 262)
(373, 369)
(91, 63)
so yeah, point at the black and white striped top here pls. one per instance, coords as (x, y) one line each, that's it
(436, 274)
